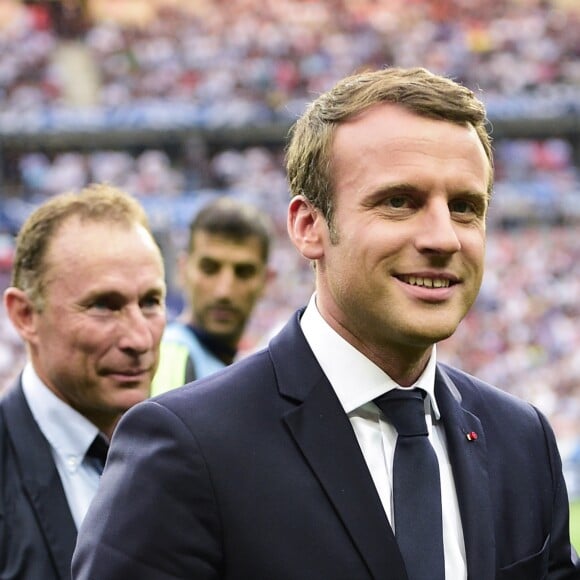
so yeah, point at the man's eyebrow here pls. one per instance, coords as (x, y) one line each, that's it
(399, 188)
(404, 187)
(114, 294)
(104, 293)
(156, 291)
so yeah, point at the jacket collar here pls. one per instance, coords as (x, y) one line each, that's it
(323, 433)
(467, 448)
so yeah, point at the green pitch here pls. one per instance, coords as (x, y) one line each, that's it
(575, 523)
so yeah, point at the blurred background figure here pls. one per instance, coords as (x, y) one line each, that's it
(87, 299)
(223, 273)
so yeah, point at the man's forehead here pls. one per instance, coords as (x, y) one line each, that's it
(226, 248)
(105, 250)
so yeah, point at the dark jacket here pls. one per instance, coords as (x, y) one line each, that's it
(37, 531)
(255, 472)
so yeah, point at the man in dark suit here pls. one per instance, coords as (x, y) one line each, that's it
(87, 297)
(309, 459)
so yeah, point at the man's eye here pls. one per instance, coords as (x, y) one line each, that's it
(151, 302)
(245, 271)
(105, 305)
(398, 201)
(475, 206)
(461, 206)
(208, 267)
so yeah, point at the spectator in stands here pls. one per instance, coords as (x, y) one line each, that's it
(286, 464)
(87, 298)
(223, 272)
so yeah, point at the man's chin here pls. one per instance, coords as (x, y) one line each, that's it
(128, 388)
(224, 332)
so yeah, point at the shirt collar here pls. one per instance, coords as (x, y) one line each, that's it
(68, 432)
(355, 379)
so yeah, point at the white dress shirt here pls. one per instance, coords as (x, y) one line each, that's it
(69, 435)
(357, 381)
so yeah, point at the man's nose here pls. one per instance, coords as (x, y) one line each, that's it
(225, 283)
(135, 331)
(437, 232)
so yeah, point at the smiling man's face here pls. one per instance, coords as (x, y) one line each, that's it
(95, 343)
(405, 259)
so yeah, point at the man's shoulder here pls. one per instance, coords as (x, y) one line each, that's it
(19, 429)
(12, 401)
(481, 397)
(464, 379)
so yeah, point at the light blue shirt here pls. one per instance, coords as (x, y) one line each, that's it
(69, 435)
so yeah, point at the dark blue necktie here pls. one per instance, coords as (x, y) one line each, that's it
(98, 451)
(416, 486)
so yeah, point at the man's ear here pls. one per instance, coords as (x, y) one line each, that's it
(307, 228)
(21, 312)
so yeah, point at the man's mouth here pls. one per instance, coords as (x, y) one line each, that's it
(133, 372)
(426, 282)
(223, 312)
(129, 374)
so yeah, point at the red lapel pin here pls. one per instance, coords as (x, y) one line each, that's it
(471, 436)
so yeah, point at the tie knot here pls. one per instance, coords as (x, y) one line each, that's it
(98, 449)
(405, 410)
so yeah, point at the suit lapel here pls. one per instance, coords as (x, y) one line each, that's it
(468, 459)
(41, 481)
(324, 434)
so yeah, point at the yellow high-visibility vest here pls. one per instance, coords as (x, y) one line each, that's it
(172, 366)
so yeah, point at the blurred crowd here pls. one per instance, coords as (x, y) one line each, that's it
(242, 61)
(537, 180)
(239, 63)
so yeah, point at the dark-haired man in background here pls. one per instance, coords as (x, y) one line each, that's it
(223, 273)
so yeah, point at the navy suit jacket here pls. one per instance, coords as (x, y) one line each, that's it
(37, 531)
(255, 473)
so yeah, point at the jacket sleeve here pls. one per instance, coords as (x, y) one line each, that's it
(154, 516)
